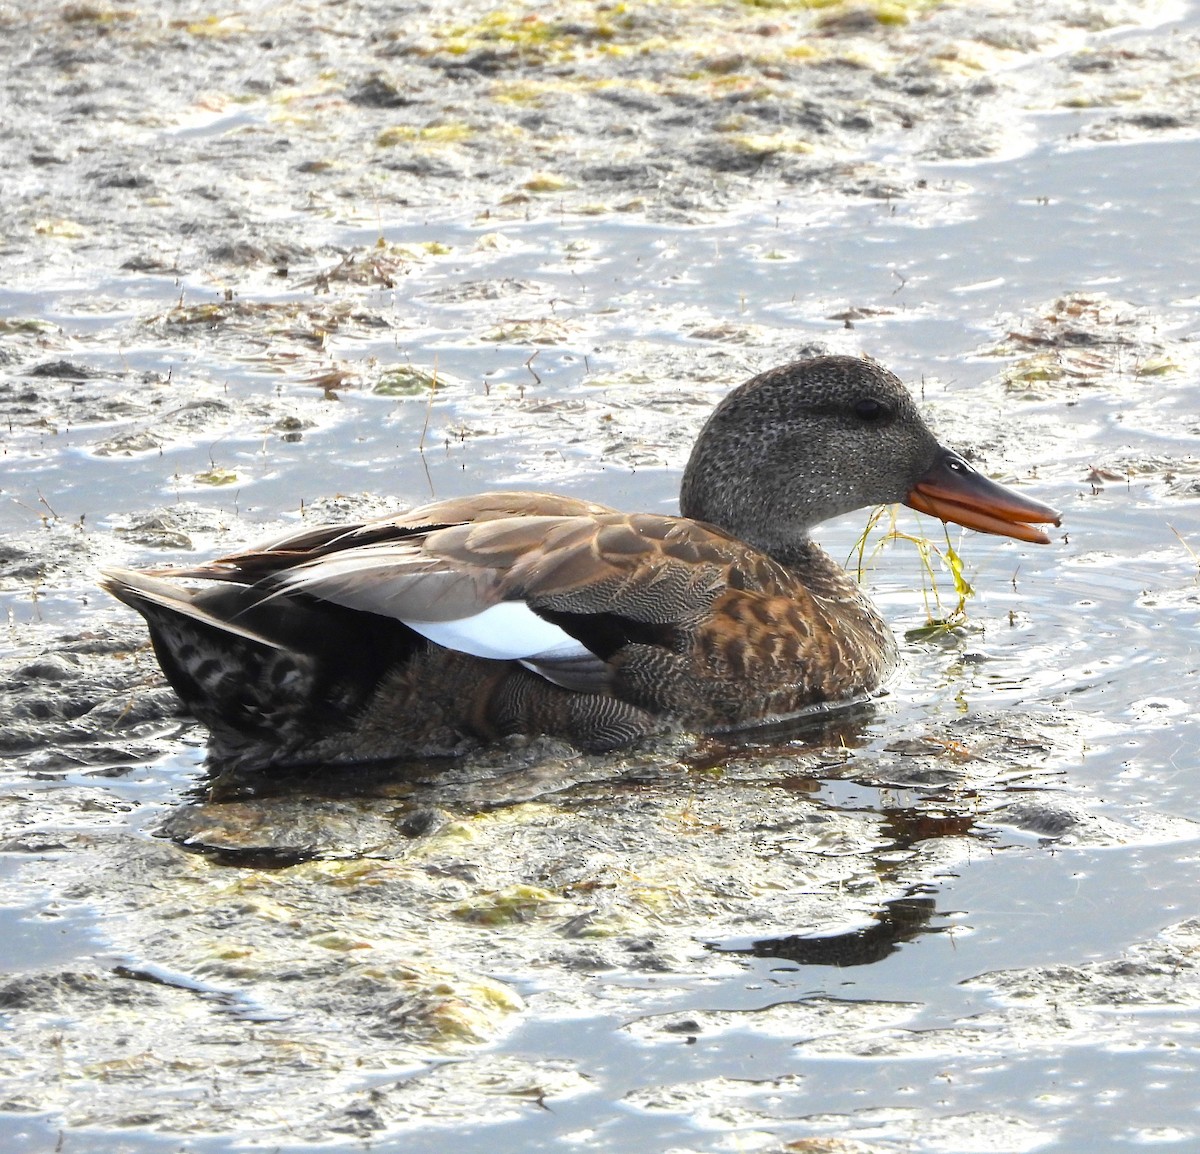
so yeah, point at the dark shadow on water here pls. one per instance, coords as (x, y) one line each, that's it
(536, 766)
(899, 921)
(829, 728)
(274, 819)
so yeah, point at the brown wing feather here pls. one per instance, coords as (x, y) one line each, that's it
(314, 542)
(651, 570)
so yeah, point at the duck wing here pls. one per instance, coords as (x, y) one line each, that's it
(558, 584)
(313, 542)
(559, 593)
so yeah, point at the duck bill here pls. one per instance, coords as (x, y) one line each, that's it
(954, 491)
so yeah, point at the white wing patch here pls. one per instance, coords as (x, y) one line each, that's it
(509, 631)
(456, 609)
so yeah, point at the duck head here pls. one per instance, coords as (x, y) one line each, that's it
(818, 438)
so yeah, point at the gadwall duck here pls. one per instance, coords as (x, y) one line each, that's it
(466, 620)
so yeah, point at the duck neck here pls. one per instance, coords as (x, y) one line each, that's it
(768, 507)
(799, 553)
(802, 554)
(788, 544)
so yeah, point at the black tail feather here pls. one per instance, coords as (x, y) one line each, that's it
(280, 669)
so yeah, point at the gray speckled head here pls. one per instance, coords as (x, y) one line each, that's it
(802, 443)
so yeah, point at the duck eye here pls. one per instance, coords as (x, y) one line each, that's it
(871, 410)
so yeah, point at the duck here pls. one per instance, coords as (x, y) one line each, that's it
(466, 621)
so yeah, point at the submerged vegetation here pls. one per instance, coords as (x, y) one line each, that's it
(942, 614)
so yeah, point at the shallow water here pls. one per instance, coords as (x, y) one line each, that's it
(1036, 1002)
